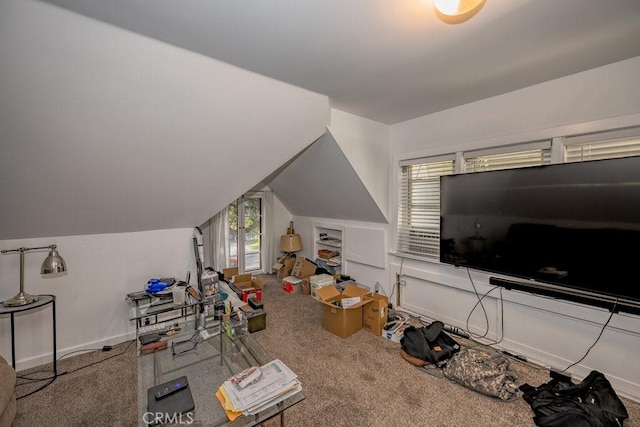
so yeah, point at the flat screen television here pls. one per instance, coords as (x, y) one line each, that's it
(569, 230)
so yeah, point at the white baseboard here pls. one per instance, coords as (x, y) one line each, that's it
(45, 358)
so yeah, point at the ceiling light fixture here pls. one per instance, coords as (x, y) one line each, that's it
(456, 11)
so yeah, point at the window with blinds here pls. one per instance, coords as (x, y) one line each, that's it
(419, 210)
(600, 146)
(530, 154)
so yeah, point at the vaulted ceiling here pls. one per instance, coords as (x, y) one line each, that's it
(131, 115)
(389, 61)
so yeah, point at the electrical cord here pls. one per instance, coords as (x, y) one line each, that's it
(613, 310)
(484, 311)
(24, 377)
(397, 282)
(476, 337)
(52, 378)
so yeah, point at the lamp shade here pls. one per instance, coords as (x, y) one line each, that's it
(290, 243)
(53, 263)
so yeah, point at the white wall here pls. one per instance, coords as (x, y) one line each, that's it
(280, 222)
(362, 272)
(90, 297)
(573, 104)
(365, 143)
(116, 132)
(554, 333)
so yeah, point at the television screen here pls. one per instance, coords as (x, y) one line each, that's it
(574, 225)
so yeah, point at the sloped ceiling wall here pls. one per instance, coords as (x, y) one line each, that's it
(105, 131)
(321, 182)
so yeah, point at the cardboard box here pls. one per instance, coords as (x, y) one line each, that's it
(374, 313)
(229, 272)
(319, 281)
(305, 286)
(336, 319)
(283, 269)
(327, 253)
(303, 268)
(242, 280)
(249, 281)
(258, 282)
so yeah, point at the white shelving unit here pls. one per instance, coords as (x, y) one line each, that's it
(329, 237)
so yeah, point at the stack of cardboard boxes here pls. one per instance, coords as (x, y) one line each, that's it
(296, 279)
(284, 266)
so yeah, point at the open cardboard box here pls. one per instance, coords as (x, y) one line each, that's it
(249, 281)
(249, 286)
(340, 321)
(283, 268)
(303, 268)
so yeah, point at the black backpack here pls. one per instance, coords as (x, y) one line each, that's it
(591, 403)
(429, 343)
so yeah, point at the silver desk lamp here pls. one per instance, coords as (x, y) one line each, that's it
(52, 264)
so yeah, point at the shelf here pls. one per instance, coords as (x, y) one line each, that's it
(333, 243)
(328, 240)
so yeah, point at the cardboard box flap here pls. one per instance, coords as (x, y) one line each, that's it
(354, 291)
(303, 268)
(327, 293)
(259, 282)
(229, 272)
(242, 278)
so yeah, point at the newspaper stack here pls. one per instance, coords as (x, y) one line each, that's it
(267, 385)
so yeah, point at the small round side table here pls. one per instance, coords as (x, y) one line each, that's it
(42, 301)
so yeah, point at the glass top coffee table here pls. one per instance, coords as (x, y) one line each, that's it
(206, 363)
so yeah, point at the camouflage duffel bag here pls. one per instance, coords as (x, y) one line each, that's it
(483, 372)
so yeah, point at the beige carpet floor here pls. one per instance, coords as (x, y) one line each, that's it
(357, 381)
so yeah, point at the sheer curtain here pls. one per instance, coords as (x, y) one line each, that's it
(219, 229)
(267, 243)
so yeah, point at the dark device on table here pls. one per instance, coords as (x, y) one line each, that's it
(170, 398)
(149, 338)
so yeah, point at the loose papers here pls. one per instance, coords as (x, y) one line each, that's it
(276, 383)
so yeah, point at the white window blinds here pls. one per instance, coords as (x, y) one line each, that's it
(419, 210)
(530, 154)
(605, 145)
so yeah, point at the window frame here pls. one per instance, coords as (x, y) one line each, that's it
(551, 148)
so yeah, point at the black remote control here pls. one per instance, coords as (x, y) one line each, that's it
(172, 386)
